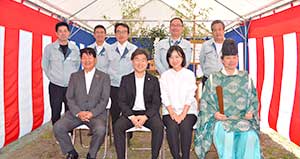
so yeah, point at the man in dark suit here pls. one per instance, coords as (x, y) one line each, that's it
(87, 95)
(139, 100)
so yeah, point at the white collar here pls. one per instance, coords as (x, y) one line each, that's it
(177, 72)
(216, 42)
(141, 77)
(90, 72)
(122, 45)
(226, 74)
(99, 46)
(178, 39)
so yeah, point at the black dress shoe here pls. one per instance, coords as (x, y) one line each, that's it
(72, 155)
(89, 157)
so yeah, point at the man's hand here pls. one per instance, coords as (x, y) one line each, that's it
(134, 120)
(89, 115)
(249, 116)
(82, 115)
(220, 116)
(141, 120)
(85, 115)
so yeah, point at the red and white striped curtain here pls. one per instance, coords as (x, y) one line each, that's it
(24, 103)
(274, 57)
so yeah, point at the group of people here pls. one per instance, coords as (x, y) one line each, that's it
(84, 80)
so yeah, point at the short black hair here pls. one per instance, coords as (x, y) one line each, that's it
(88, 51)
(139, 51)
(59, 24)
(180, 51)
(217, 22)
(176, 18)
(99, 26)
(123, 25)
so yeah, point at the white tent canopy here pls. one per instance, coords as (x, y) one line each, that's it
(89, 13)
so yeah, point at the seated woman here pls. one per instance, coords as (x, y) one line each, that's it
(178, 86)
(236, 132)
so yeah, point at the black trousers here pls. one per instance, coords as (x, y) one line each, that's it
(180, 135)
(154, 124)
(57, 95)
(115, 109)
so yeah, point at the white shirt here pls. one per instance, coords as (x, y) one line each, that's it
(139, 103)
(88, 79)
(122, 47)
(219, 52)
(219, 48)
(236, 71)
(99, 47)
(178, 89)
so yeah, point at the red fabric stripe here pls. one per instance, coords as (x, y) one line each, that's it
(260, 67)
(278, 67)
(15, 16)
(11, 113)
(280, 23)
(37, 82)
(295, 121)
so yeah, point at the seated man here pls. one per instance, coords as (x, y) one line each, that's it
(87, 95)
(139, 100)
(236, 132)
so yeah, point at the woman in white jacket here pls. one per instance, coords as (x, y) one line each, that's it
(178, 86)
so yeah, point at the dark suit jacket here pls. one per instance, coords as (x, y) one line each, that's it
(127, 95)
(97, 99)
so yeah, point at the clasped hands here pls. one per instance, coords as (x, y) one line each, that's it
(178, 118)
(138, 120)
(85, 115)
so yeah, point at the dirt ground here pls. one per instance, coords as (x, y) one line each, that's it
(41, 145)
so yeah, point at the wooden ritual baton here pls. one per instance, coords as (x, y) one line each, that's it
(219, 90)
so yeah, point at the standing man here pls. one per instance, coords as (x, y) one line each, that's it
(101, 48)
(210, 54)
(160, 56)
(87, 96)
(59, 60)
(139, 101)
(119, 64)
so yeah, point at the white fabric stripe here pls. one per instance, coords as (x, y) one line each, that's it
(47, 110)
(267, 89)
(81, 46)
(241, 55)
(288, 84)
(25, 82)
(2, 126)
(252, 59)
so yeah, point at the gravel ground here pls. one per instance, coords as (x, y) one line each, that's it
(41, 145)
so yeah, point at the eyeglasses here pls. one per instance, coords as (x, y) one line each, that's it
(176, 25)
(121, 32)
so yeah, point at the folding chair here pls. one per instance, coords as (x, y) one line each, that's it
(85, 127)
(134, 129)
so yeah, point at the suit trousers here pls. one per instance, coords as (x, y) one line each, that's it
(69, 122)
(154, 124)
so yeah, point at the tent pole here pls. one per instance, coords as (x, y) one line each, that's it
(230, 9)
(83, 8)
(246, 46)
